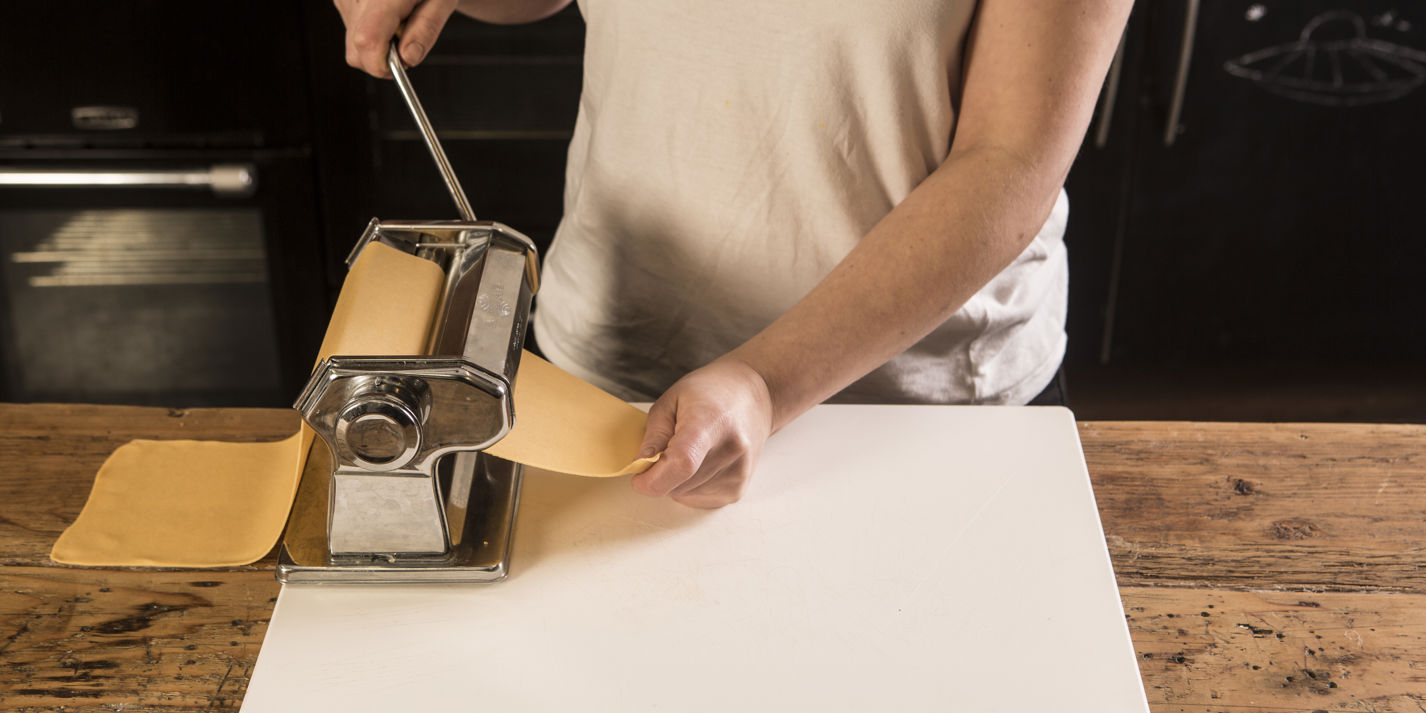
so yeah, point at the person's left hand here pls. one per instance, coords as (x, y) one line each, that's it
(710, 426)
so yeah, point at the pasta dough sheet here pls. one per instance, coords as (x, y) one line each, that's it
(184, 504)
(568, 425)
(216, 504)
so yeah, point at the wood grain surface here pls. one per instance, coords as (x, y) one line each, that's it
(1313, 507)
(1264, 568)
(1215, 651)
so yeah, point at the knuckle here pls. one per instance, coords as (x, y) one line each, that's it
(364, 39)
(652, 482)
(644, 486)
(662, 479)
(741, 441)
(681, 463)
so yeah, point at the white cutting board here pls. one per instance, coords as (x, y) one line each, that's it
(885, 558)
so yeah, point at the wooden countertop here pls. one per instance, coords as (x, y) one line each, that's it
(1263, 567)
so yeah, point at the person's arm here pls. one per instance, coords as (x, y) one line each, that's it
(372, 23)
(1032, 73)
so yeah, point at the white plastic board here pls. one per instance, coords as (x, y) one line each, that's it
(885, 558)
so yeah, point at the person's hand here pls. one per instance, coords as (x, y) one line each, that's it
(372, 23)
(710, 426)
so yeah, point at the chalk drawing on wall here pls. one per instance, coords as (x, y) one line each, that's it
(1334, 63)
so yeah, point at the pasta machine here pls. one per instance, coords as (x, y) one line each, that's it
(404, 493)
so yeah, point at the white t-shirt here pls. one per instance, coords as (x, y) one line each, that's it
(729, 153)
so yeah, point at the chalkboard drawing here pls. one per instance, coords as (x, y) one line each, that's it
(1334, 63)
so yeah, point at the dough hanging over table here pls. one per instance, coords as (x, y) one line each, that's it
(218, 504)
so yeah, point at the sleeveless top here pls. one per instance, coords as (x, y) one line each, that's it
(728, 153)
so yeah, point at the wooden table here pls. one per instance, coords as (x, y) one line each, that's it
(1264, 568)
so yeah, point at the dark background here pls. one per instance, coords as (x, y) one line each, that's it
(1258, 257)
(1266, 264)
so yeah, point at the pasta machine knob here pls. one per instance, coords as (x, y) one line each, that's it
(379, 431)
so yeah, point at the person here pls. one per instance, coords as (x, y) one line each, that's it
(770, 204)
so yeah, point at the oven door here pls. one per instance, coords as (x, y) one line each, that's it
(188, 279)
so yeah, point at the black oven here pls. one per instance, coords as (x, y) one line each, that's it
(175, 278)
(159, 233)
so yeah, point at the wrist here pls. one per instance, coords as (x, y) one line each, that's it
(776, 394)
(755, 384)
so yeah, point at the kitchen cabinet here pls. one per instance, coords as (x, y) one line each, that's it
(1249, 192)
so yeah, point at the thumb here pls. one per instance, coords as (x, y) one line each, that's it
(659, 429)
(423, 26)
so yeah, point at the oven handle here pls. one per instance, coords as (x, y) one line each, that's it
(225, 180)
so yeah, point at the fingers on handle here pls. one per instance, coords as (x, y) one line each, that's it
(423, 27)
(367, 40)
(370, 27)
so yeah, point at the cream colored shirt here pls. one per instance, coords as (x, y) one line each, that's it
(729, 153)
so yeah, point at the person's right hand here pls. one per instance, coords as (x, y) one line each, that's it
(372, 23)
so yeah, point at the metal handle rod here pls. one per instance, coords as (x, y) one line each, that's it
(1180, 84)
(227, 180)
(393, 62)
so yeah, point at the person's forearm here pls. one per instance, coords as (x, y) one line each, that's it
(510, 12)
(1030, 77)
(1032, 70)
(923, 261)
